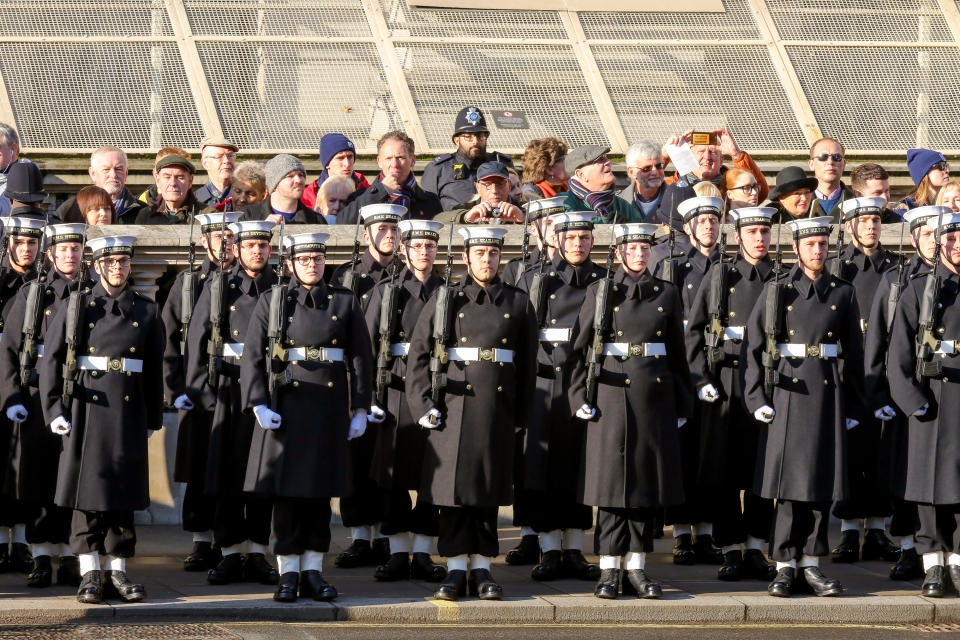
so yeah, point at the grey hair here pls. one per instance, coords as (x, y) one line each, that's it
(643, 150)
(109, 149)
(9, 135)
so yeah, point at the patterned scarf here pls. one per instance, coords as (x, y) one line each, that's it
(599, 201)
(404, 195)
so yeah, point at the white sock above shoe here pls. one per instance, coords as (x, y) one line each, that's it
(907, 543)
(478, 561)
(288, 564)
(609, 562)
(875, 523)
(634, 560)
(783, 565)
(360, 533)
(116, 564)
(573, 539)
(231, 550)
(851, 525)
(953, 559)
(458, 563)
(421, 544)
(253, 547)
(550, 541)
(400, 543)
(703, 528)
(730, 547)
(808, 561)
(20, 534)
(66, 551)
(755, 544)
(932, 559)
(42, 549)
(311, 561)
(203, 536)
(527, 531)
(681, 529)
(89, 562)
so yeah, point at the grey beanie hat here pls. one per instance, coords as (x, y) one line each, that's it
(279, 166)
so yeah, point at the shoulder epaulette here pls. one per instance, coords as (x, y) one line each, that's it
(443, 157)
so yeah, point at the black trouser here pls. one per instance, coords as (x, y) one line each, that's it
(198, 509)
(733, 522)
(401, 516)
(363, 507)
(522, 505)
(240, 518)
(905, 520)
(553, 510)
(50, 526)
(868, 496)
(800, 529)
(620, 531)
(692, 510)
(468, 530)
(939, 528)
(301, 524)
(14, 511)
(103, 532)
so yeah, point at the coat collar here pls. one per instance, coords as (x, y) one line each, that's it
(761, 271)
(472, 290)
(877, 261)
(699, 261)
(256, 285)
(417, 289)
(807, 287)
(121, 304)
(639, 288)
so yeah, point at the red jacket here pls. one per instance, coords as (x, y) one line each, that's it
(309, 197)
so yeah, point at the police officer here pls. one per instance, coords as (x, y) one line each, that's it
(490, 367)
(399, 449)
(863, 263)
(728, 450)
(33, 472)
(548, 478)
(362, 509)
(631, 459)
(452, 175)
(194, 430)
(110, 345)
(241, 522)
(807, 405)
(540, 231)
(315, 333)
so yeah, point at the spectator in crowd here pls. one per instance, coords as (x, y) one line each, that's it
(647, 185)
(249, 185)
(218, 156)
(150, 195)
(109, 169)
(492, 200)
(516, 185)
(739, 188)
(9, 154)
(337, 155)
(949, 195)
(396, 183)
(929, 171)
(175, 202)
(592, 186)
(333, 196)
(793, 195)
(872, 180)
(286, 179)
(544, 175)
(95, 206)
(451, 175)
(24, 192)
(827, 163)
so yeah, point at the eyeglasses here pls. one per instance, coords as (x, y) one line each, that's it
(941, 166)
(747, 188)
(305, 261)
(223, 156)
(116, 262)
(492, 183)
(483, 135)
(422, 247)
(658, 166)
(823, 157)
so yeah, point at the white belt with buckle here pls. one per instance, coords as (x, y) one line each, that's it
(555, 334)
(863, 325)
(39, 350)
(947, 347)
(330, 354)
(473, 354)
(733, 333)
(104, 363)
(799, 350)
(624, 349)
(399, 349)
(234, 349)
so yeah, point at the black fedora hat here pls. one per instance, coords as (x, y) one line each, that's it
(25, 183)
(790, 179)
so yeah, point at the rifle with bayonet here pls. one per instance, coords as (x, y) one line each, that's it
(76, 308)
(30, 351)
(896, 287)
(442, 321)
(668, 265)
(771, 322)
(388, 318)
(601, 322)
(716, 303)
(525, 246)
(188, 296)
(276, 331)
(538, 289)
(350, 277)
(927, 341)
(217, 292)
(836, 268)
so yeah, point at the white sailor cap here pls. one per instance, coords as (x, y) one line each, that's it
(487, 236)
(803, 227)
(864, 206)
(24, 226)
(545, 207)
(918, 217)
(303, 242)
(252, 230)
(69, 232)
(419, 229)
(693, 207)
(635, 232)
(111, 245)
(384, 212)
(947, 222)
(749, 216)
(214, 221)
(572, 221)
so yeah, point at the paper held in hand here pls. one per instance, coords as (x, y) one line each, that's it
(683, 159)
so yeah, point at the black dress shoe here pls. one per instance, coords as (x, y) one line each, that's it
(287, 587)
(819, 584)
(117, 583)
(423, 568)
(953, 571)
(312, 585)
(755, 566)
(908, 566)
(782, 585)
(257, 569)
(396, 568)
(21, 558)
(228, 571)
(877, 546)
(68, 573)
(683, 552)
(203, 557)
(549, 569)
(358, 554)
(705, 552)
(525, 553)
(608, 585)
(576, 567)
(849, 548)
(42, 574)
(453, 587)
(934, 582)
(381, 551)
(730, 569)
(5, 566)
(643, 586)
(481, 584)
(90, 590)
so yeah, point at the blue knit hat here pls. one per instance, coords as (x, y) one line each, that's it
(919, 161)
(332, 144)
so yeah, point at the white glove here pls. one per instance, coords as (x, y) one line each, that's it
(358, 424)
(922, 410)
(266, 418)
(708, 393)
(183, 402)
(765, 414)
(586, 412)
(851, 423)
(431, 419)
(886, 412)
(17, 413)
(60, 426)
(681, 422)
(376, 415)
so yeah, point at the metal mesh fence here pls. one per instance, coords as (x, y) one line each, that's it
(823, 20)
(405, 21)
(49, 18)
(735, 23)
(308, 18)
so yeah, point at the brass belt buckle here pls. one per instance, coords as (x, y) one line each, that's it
(636, 349)
(813, 351)
(486, 354)
(115, 364)
(314, 353)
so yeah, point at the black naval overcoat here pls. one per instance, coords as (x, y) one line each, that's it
(368, 272)
(10, 283)
(690, 268)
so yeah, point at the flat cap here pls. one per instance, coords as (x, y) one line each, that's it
(218, 141)
(584, 155)
(173, 160)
